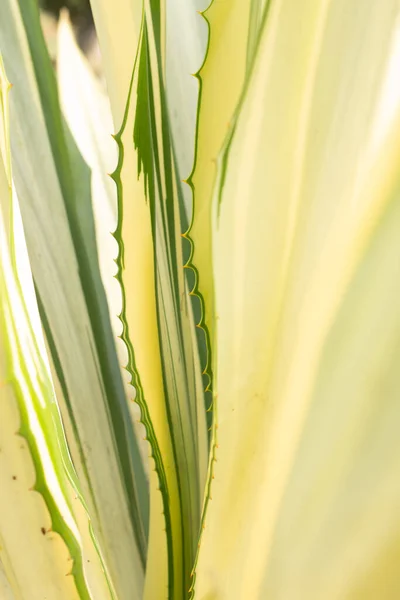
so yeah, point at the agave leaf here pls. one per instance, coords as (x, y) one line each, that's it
(156, 312)
(61, 242)
(5, 585)
(186, 42)
(44, 530)
(119, 39)
(186, 39)
(139, 305)
(87, 111)
(257, 9)
(221, 80)
(306, 264)
(177, 348)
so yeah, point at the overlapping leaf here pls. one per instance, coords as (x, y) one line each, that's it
(157, 307)
(45, 535)
(53, 185)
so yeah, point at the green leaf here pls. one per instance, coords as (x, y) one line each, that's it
(221, 79)
(255, 21)
(44, 530)
(156, 162)
(61, 241)
(186, 38)
(157, 313)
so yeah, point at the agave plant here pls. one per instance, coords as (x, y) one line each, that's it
(199, 354)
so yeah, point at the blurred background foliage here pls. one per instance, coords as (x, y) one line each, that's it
(82, 21)
(78, 9)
